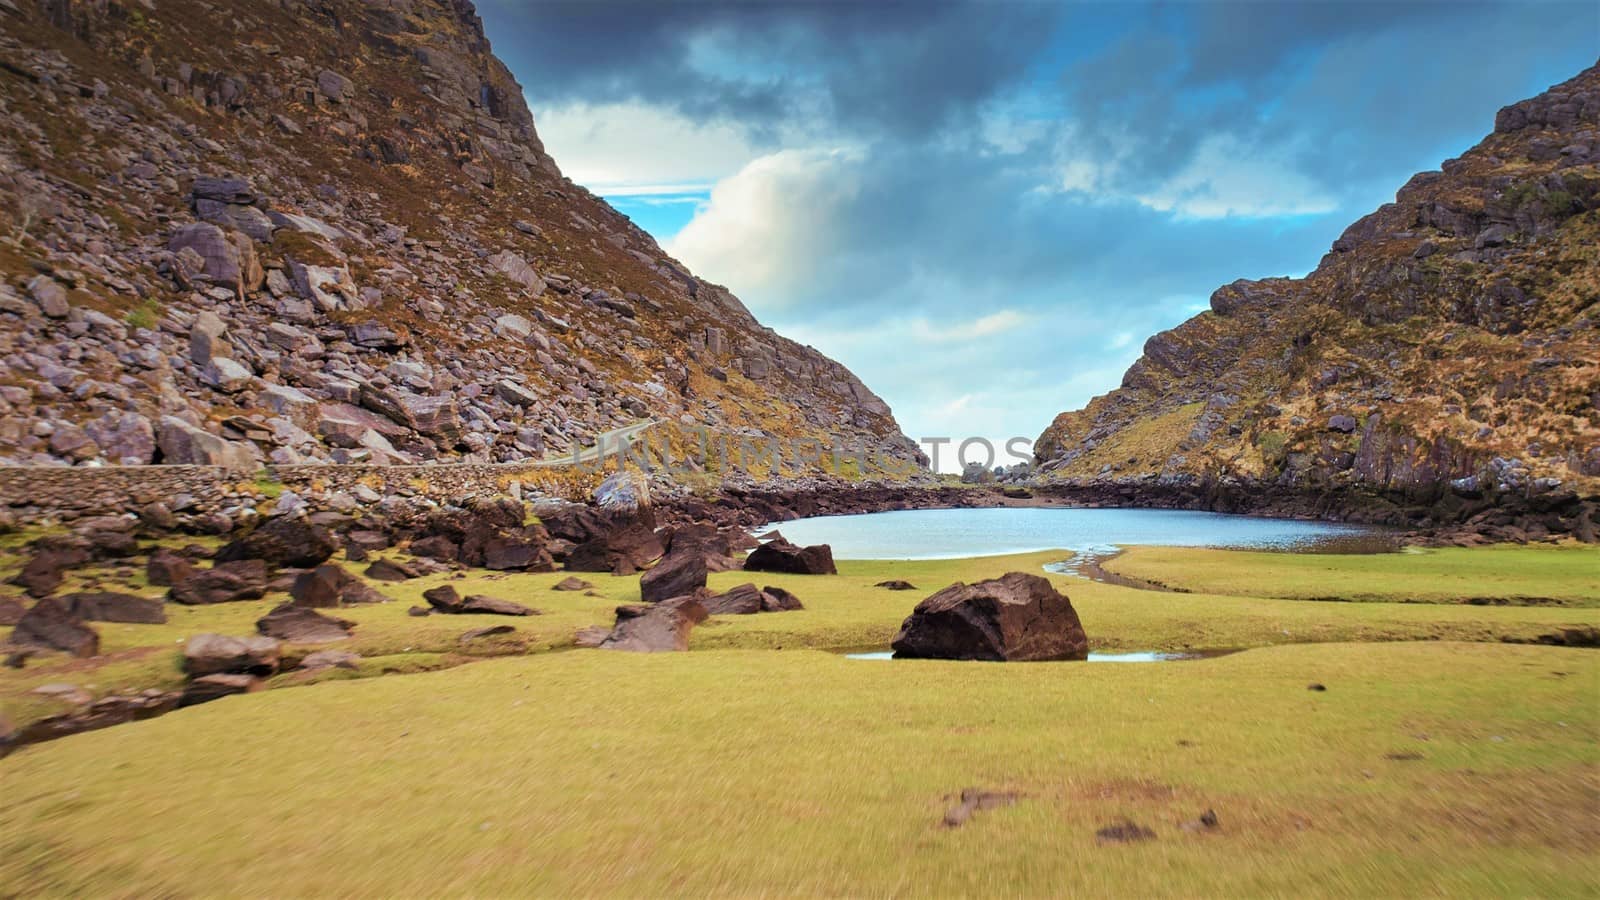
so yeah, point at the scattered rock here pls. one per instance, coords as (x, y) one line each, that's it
(1124, 832)
(571, 583)
(974, 800)
(1316, 686)
(331, 659)
(480, 633)
(110, 606)
(329, 586)
(243, 579)
(674, 576)
(655, 628)
(299, 625)
(1018, 617)
(781, 556)
(52, 626)
(896, 585)
(214, 687)
(745, 599)
(212, 654)
(11, 610)
(167, 567)
(292, 541)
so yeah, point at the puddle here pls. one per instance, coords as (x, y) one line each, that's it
(1138, 657)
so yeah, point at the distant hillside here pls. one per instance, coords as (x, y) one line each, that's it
(1452, 335)
(327, 230)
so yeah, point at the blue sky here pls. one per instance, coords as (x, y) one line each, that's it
(985, 208)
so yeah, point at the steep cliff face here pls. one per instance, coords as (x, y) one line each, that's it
(327, 230)
(1452, 336)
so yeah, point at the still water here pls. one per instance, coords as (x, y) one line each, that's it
(950, 533)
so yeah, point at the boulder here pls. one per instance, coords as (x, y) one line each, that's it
(746, 599)
(781, 556)
(571, 583)
(51, 625)
(896, 585)
(517, 269)
(110, 606)
(622, 551)
(244, 579)
(434, 416)
(676, 575)
(167, 567)
(488, 631)
(212, 654)
(330, 659)
(394, 571)
(298, 625)
(293, 541)
(47, 568)
(445, 599)
(329, 586)
(184, 444)
(49, 296)
(655, 628)
(11, 610)
(214, 687)
(1016, 618)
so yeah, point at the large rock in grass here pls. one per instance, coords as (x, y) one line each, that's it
(243, 579)
(676, 575)
(292, 541)
(1015, 618)
(212, 654)
(624, 550)
(655, 628)
(51, 625)
(781, 556)
(111, 606)
(167, 567)
(329, 586)
(746, 599)
(445, 599)
(298, 625)
(214, 687)
(51, 560)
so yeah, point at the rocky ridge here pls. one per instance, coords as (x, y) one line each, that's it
(1447, 346)
(326, 230)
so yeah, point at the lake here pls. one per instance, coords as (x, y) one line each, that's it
(951, 533)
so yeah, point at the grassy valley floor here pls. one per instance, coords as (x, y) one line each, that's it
(1438, 760)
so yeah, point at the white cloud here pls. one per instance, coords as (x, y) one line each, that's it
(765, 227)
(1227, 178)
(984, 326)
(621, 148)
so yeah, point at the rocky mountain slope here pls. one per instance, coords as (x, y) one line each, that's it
(326, 230)
(1449, 342)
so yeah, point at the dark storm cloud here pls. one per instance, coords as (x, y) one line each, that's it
(901, 68)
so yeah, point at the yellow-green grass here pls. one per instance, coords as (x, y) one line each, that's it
(844, 612)
(1423, 769)
(1540, 574)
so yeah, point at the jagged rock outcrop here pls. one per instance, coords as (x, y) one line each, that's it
(1449, 344)
(326, 230)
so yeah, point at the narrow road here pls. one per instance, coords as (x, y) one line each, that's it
(608, 443)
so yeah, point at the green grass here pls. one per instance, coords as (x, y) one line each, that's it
(738, 770)
(803, 773)
(1559, 574)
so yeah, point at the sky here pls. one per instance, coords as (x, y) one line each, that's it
(985, 208)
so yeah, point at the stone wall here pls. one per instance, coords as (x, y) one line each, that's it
(37, 494)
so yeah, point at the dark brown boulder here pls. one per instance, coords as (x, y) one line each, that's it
(51, 625)
(707, 542)
(244, 579)
(676, 575)
(776, 599)
(396, 571)
(896, 585)
(329, 586)
(11, 610)
(211, 654)
(517, 552)
(655, 628)
(488, 631)
(1017, 617)
(623, 551)
(443, 598)
(299, 625)
(110, 606)
(47, 568)
(746, 599)
(436, 547)
(292, 541)
(214, 687)
(571, 583)
(781, 556)
(101, 713)
(167, 567)
(494, 606)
